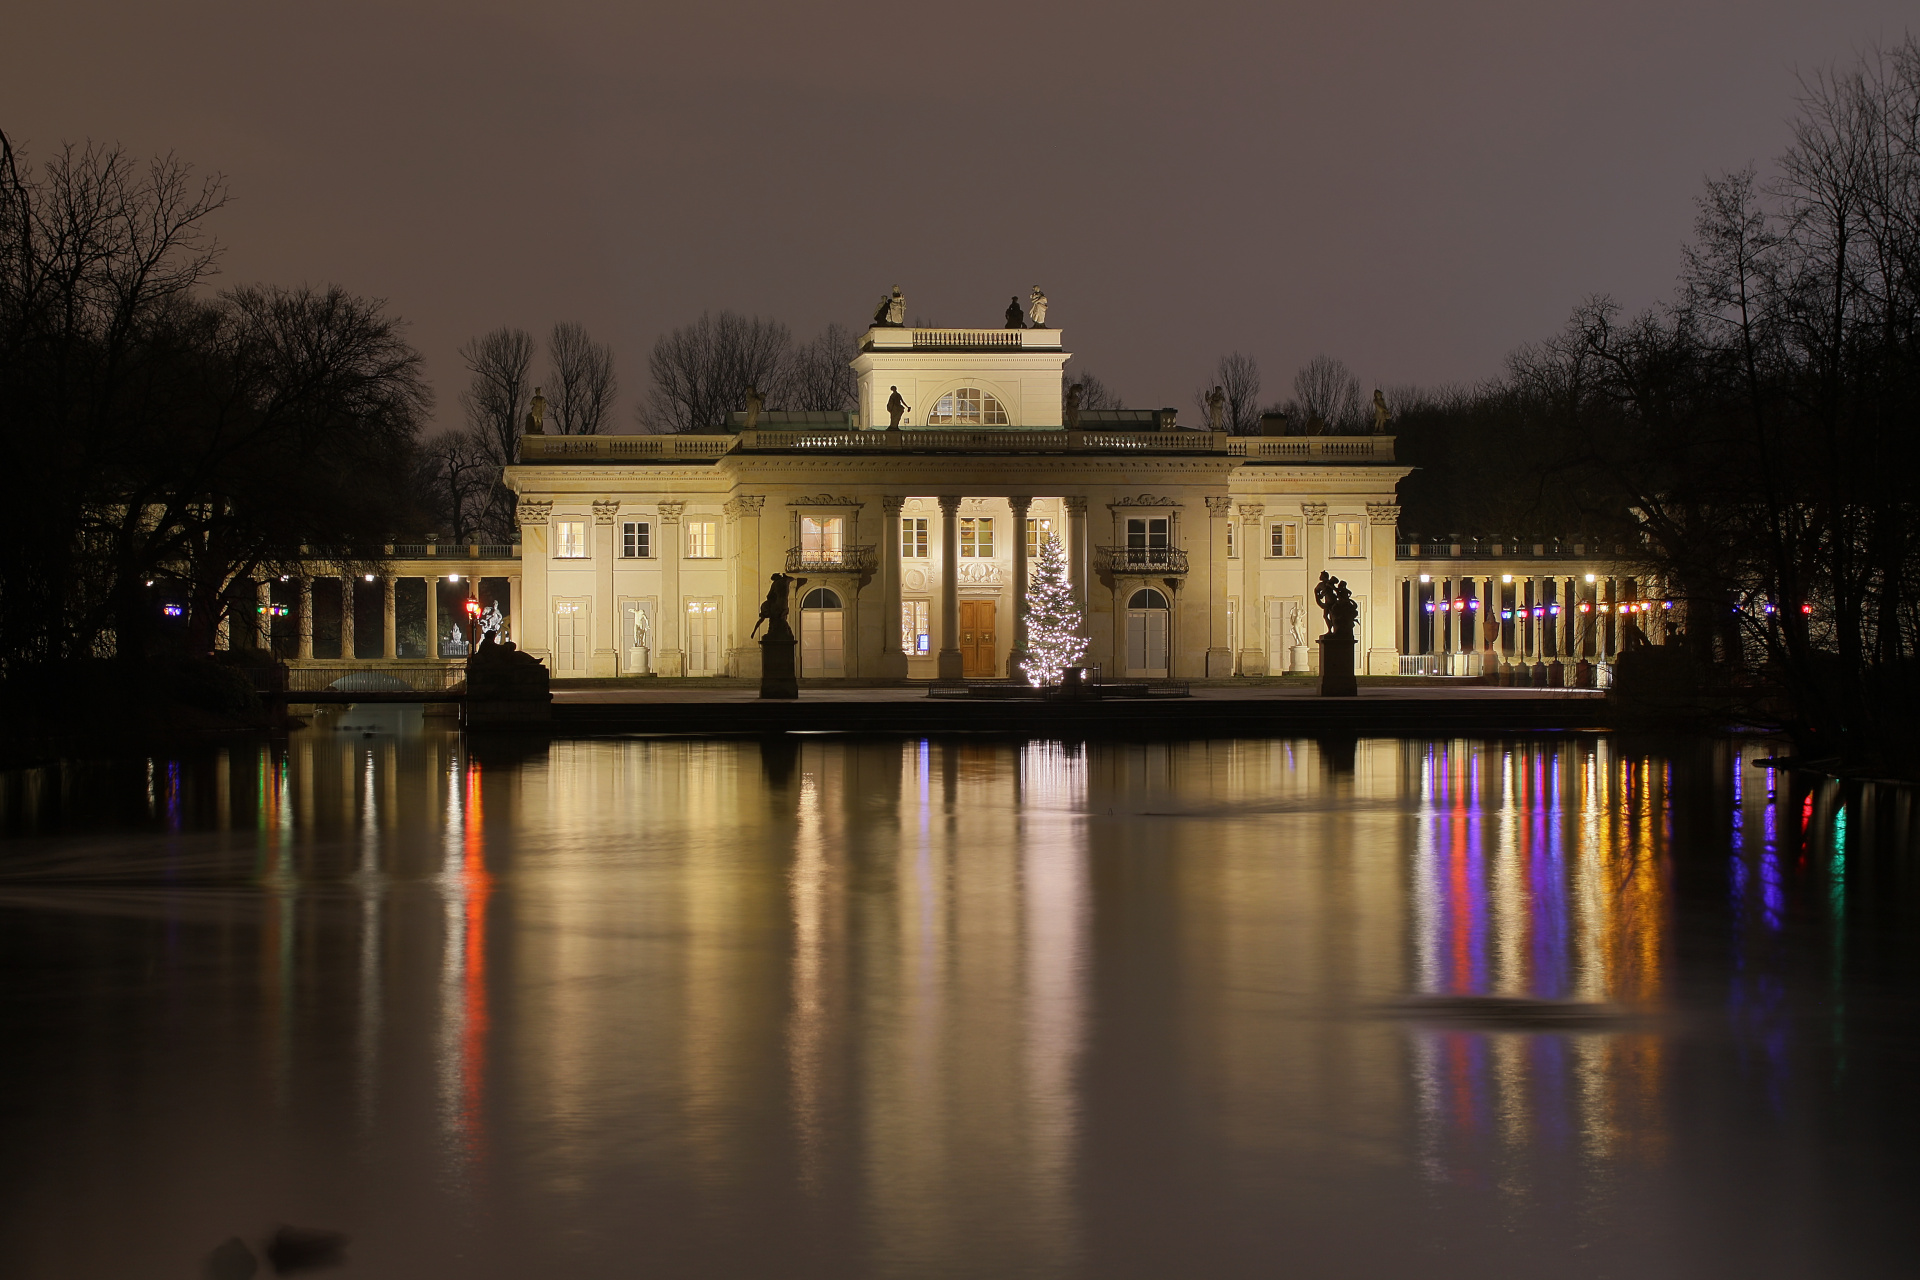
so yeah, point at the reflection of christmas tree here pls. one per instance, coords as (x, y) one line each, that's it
(1054, 642)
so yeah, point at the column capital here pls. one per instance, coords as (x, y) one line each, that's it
(605, 509)
(533, 511)
(1020, 504)
(890, 503)
(743, 504)
(1315, 512)
(1252, 510)
(1077, 506)
(1383, 513)
(670, 512)
(1220, 506)
(950, 504)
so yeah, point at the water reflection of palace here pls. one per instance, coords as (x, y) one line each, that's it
(949, 983)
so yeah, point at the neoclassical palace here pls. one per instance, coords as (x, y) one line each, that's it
(1192, 553)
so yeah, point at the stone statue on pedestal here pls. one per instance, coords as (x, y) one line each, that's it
(1014, 318)
(1216, 410)
(777, 676)
(537, 415)
(1037, 308)
(895, 407)
(1379, 412)
(756, 403)
(1336, 605)
(1070, 411)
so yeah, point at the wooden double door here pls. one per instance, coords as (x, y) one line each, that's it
(978, 652)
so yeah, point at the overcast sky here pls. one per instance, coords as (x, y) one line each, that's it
(1415, 187)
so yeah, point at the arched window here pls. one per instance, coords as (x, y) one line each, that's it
(1147, 598)
(967, 407)
(820, 598)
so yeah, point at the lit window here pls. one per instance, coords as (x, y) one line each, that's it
(976, 538)
(1147, 534)
(820, 535)
(1038, 531)
(1344, 538)
(915, 636)
(913, 536)
(1284, 539)
(636, 539)
(967, 407)
(702, 544)
(570, 539)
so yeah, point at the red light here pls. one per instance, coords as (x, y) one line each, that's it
(1806, 608)
(473, 608)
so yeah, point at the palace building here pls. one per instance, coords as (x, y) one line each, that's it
(1192, 553)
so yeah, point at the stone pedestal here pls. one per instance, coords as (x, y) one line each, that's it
(777, 678)
(1336, 667)
(1556, 674)
(1299, 660)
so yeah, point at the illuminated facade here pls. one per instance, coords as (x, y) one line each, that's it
(1192, 554)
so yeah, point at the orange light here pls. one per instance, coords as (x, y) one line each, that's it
(473, 608)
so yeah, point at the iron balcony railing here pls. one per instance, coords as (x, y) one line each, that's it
(1154, 560)
(845, 560)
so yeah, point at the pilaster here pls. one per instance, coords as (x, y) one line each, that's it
(1017, 654)
(605, 660)
(1219, 650)
(672, 660)
(534, 613)
(949, 661)
(893, 659)
(1253, 609)
(743, 513)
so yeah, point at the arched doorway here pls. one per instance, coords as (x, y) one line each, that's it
(822, 634)
(1148, 627)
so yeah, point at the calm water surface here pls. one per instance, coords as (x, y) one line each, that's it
(835, 1007)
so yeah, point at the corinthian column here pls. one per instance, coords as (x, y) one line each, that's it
(347, 642)
(672, 660)
(893, 659)
(949, 660)
(1017, 656)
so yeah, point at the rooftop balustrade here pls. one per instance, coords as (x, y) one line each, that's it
(1502, 549)
(707, 447)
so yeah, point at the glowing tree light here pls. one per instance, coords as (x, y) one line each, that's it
(1054, 642)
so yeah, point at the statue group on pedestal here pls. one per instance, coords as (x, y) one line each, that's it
(892, 312)
(1337, 606)
(773, 610)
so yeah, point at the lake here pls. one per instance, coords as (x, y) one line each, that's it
(839, 1007)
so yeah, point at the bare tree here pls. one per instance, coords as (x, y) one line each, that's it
(496, 401)
(1238, 377)
(821, 375)
(1094, 394)
(701, 371)
(1326, 397)
(457, 478)
(580, 378)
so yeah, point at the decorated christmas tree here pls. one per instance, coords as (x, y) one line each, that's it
(1054, 642)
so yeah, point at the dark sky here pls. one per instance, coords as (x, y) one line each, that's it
(1414, 187)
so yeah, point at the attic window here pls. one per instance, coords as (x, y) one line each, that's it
(967, 407)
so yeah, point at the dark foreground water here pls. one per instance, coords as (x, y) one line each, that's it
(846, 1008)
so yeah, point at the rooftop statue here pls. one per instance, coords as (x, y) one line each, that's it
(1071, 410)
(1336, 606)
(773, 610)
(895, 407)
(537, 415)
(1037, 308)
(1379, 411)
(756, 404)
(1216, 410)
(892, 312)
(1014, 320)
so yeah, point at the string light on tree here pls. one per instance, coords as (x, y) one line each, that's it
(1054, 639)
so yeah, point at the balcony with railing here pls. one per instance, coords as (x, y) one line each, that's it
(806, 560)
(1158, 562)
